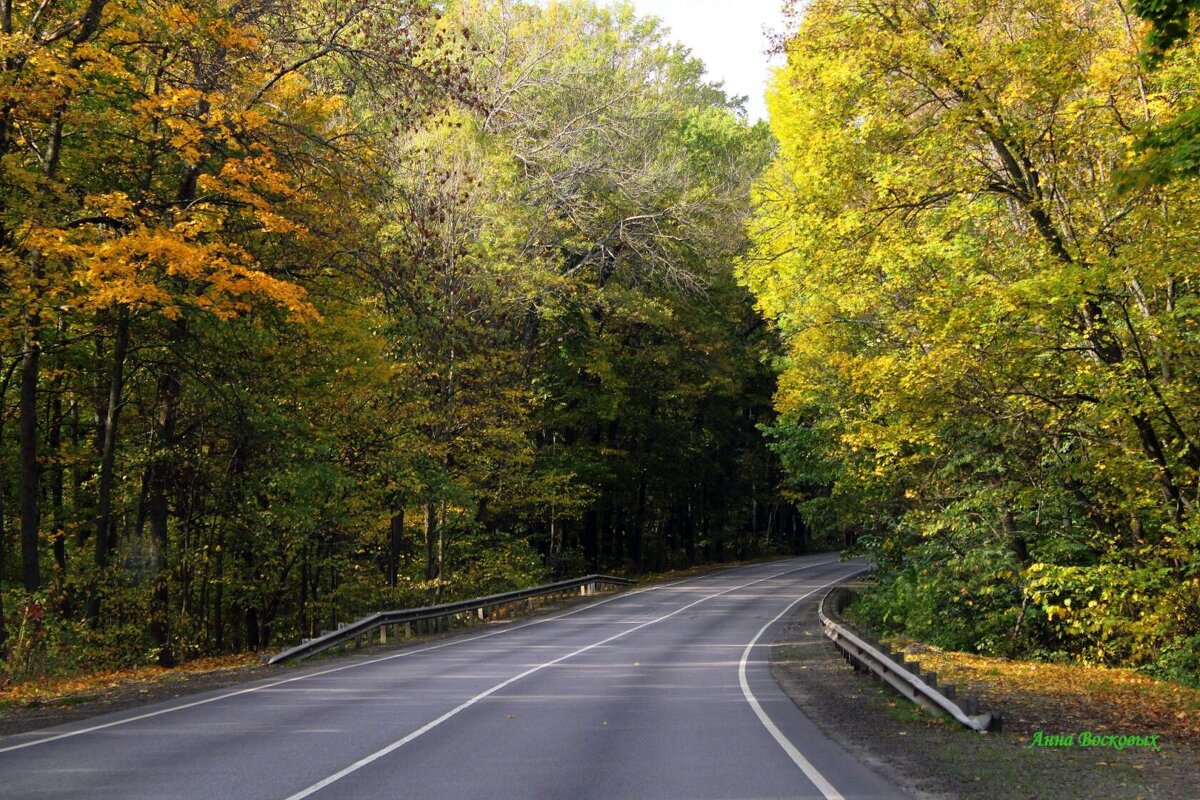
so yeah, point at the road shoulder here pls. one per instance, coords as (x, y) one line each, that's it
(934, 760)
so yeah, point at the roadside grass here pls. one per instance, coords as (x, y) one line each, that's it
(1123, 700)
(85, 688)
(938, 759)
(908, 713)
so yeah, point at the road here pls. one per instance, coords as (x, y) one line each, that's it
(662, 692)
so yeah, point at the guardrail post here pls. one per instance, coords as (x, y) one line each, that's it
(443, 617)
(902, 674)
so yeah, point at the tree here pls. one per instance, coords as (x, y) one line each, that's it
(1171, 149)
(348, 307)
(1170, 22)
(163, 167)
(988, 374)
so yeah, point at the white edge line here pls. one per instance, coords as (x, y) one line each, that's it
(396, 745)
(404, 654)
(810, 772)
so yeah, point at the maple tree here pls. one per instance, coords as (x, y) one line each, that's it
(163, 166)
(317, 308)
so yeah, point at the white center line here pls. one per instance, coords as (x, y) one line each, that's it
(306, 676)
(810, 772)
(396, 745)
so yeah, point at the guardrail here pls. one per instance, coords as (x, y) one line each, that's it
(905, 677)
(434, 619)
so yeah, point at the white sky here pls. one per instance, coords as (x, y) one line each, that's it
(727, 35)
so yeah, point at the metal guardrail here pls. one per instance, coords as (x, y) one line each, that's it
(903, 676)
(432, 619)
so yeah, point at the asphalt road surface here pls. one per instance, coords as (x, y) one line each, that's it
(662, 692)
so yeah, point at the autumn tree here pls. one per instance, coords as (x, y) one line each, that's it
(313, 310)
(165, 166)
(572, 225)
(1171, 148)
(989, 375)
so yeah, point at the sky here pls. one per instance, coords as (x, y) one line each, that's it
(727, 35)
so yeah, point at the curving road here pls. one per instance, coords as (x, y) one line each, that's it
(662, 692)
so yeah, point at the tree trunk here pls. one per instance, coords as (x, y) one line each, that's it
(3, 536)
(102, 536)
(30, 509)
(302, 619)
(3, 624)
(591, 550)
(441, 548)
(57, 478)
(639, 526)
(555, 544)
(218, 624)
(432, 563)
(395, 546)
(1101, 339)
(253, 631)
(1016, 542)
(3, 487)
(161, 474)
(689, 533)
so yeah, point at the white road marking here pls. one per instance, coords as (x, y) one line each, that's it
(810, 772)
(404, 654)
(396, 745)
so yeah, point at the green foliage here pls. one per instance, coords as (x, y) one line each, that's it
(1179, 661)
(1170, 150)
(316, 319)
(972, 604)
(989, 371)
(1170, 22)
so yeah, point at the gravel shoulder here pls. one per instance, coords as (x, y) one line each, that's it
(934, 759)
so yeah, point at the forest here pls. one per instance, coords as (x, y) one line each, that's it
(310, 308)
(981, 243)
